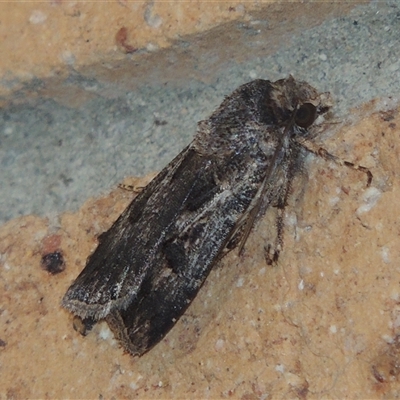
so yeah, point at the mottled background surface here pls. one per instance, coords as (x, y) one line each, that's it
(93, 93)
(80, 132)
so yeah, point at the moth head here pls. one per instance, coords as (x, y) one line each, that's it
(297, 102)
(311, 111)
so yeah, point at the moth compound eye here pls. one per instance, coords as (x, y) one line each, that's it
(306, 115)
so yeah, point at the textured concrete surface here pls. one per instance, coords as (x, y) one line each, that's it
(322, 323)
(64, 140)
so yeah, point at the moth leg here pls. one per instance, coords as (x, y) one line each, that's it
(260, 206)
(321, 152)
(272, 254)
(131, 188)
(240, 234)
(328, 156)
(232, 243)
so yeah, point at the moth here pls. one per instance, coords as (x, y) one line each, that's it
(150, 264)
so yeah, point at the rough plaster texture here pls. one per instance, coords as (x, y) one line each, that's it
(323, 323)
(49, 38)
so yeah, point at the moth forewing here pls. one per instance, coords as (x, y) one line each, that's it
(151, 263)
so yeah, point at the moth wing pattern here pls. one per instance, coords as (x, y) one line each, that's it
(114, 272)
(151, 263)
(195, 240)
